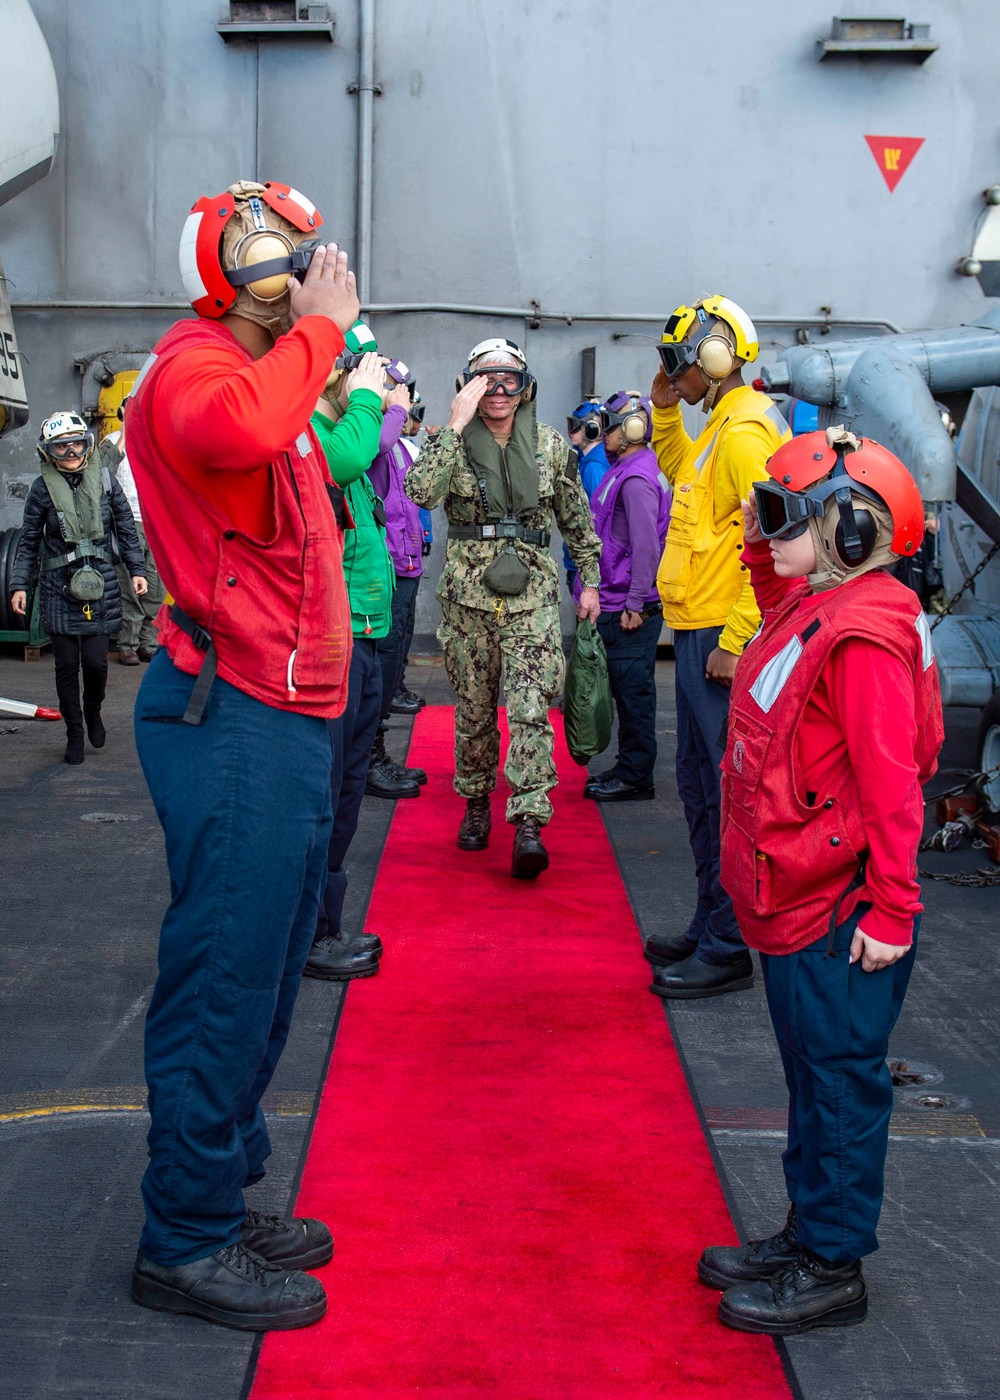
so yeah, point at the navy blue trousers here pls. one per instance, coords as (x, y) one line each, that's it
(632, 673)
(832, 1021)
(702, 711)
(244, 801)
(353, 735)
(392, 649)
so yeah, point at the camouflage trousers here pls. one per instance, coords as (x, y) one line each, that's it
(527, 648)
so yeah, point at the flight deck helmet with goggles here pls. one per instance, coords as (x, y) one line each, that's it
(586, 416)
(64, 434)
(240, 248)
(502, 361)
(715, 334)
(631, 413)
(829, 477)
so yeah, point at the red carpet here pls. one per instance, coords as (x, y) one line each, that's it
(506, 1150)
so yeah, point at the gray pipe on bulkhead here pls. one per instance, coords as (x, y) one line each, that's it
(366, 145)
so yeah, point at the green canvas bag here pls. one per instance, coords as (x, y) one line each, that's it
(588, 710)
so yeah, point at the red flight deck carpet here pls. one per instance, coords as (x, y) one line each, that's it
(506, 1150)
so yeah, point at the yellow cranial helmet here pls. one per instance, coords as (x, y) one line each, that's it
(715, 334)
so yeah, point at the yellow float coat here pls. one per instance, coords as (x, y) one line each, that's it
(701, 581)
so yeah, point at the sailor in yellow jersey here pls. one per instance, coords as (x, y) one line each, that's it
(708, 601)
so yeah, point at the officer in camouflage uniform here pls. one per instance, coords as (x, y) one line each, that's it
(501, 475)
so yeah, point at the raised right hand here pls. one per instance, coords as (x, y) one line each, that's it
(465, 403)
(368, 374)
(664, 393)
(328, 289)
(751, 525)
(19, 601)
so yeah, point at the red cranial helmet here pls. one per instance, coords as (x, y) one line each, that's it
(814, 470)
(245, 238)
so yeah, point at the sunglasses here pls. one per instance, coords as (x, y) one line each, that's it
(70, 447)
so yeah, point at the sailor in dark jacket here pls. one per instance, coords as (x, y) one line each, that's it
(69, 516)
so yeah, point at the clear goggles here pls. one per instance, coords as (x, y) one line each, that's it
(62, 448)
(500, 380)
(677, 359)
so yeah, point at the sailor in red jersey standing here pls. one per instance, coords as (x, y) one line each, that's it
(232, 735)
(834, 723)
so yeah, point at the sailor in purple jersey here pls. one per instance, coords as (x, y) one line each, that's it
(404, 539)
(631, 510)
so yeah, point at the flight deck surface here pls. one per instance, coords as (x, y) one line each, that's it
(85, 885)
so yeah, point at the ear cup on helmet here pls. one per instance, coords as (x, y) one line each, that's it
(262, 248)
(634, 428)
(867, 528)
(592, 430)
(716, 356)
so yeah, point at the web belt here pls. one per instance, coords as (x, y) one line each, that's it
(195, 711)
(83, 550)
(499, 531)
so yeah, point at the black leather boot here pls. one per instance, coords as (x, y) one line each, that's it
(695, 978)
(809, 1293)
(615, 789)
(234, 1287)
(474, 832)
(723, 1265)
(96, 732)
(529, 857)
(415, 775)
(594, 779)
(299, 1243)
(661, 950)
(384, 778)
(331, 960)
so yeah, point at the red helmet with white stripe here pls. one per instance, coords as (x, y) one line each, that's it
(218, 257)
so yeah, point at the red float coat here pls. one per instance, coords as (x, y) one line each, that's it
(234, 497)
(834, 723)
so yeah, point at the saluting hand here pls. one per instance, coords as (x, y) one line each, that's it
(367, 374)
(751, 525)
(664, 393)
(399, 397)
(328, 289)
(465, 403)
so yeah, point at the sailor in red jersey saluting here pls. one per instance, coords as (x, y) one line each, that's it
(834, 723)
(232, 735)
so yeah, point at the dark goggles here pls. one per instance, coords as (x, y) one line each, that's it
(677, 359)
(417, 411)
(67, 447)
(784, 515)
(500, 379)
(576, 421)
